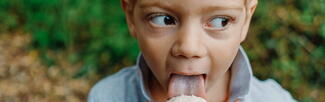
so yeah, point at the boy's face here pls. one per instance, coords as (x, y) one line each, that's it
(189, 37)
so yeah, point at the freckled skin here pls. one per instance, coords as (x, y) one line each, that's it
(190, 46)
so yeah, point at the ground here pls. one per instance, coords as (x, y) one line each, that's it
(23, 77)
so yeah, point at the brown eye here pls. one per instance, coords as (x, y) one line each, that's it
(163, 20)
(218, 22)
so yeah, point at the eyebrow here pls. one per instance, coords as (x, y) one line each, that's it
(205, 9)
(218, 7)
(153, 4)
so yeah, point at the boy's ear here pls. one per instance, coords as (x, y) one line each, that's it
(127, 6)
(250, 9)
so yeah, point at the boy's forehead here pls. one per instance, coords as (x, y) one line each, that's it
(201, 4)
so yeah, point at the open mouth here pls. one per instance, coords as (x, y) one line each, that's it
(187, 85)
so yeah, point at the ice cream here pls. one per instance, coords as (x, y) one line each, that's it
(184, 98)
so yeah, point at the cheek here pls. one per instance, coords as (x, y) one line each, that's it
(155, 51)
(222, 54)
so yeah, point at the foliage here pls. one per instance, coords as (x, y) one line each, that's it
(94, 31)
(285, 41)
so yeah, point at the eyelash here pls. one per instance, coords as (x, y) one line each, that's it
(230, 18)
(150, 16)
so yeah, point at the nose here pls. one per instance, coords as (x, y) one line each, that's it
(189, 43)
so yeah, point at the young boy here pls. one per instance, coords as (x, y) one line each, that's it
(189, 47)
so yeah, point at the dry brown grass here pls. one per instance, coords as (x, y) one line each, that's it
(23, 78)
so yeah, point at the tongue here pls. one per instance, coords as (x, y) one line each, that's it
(186, 85)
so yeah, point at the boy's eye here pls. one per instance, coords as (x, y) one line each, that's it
(218, 23)
(163, 20)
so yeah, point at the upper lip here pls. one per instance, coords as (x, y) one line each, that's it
(187, 73)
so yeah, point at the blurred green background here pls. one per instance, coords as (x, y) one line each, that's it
(286, 40)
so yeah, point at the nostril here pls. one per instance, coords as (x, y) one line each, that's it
(182, 56)
(187, 57)
(196, 57)
(187, 51)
